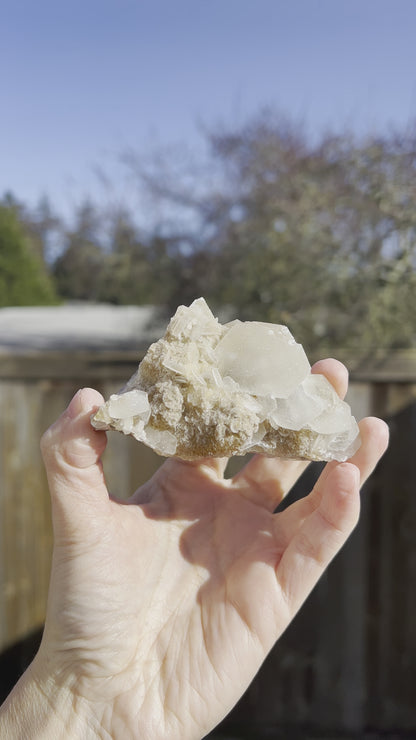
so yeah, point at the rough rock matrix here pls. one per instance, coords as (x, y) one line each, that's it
(207, 389)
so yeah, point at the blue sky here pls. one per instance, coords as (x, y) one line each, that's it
(83, 80)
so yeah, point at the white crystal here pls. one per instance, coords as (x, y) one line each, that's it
(192, 325)
(132, 403)
(207, 389)
(263, 359)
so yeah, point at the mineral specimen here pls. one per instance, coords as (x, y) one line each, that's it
(207, 389)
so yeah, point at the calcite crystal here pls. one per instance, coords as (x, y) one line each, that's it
(207, 389)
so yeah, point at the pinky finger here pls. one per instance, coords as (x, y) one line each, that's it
(320, 536)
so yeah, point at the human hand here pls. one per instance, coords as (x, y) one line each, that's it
(162, 609)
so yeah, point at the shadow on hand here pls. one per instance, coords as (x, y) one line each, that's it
(224, 534)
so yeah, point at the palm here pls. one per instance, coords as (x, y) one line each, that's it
(212, 556)
(166, 606)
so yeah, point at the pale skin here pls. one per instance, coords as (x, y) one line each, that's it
(162, 609)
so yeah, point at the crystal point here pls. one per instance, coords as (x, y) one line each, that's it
(206, 389)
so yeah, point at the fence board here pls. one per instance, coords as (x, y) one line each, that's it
(27, 407)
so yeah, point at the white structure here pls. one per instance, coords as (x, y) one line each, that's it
(79, 325)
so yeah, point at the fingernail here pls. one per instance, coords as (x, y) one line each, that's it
(76, 406)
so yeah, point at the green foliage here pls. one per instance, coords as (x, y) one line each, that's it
(23, 278)
(127, 276)
(319, 236)
(125, 271)
(78, 269)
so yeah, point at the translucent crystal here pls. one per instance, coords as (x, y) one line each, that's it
(133, 403)
(206, 389)
(256, 354)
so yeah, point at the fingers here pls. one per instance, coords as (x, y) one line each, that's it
(320, 536)
(335, 372)
(213, 465)
(71, 451)
(266, 481)
(374, 441)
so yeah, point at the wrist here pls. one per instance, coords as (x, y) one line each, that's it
(41, 709)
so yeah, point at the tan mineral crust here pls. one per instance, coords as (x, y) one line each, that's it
(212, 390)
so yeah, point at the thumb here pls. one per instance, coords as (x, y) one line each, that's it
(71, 450)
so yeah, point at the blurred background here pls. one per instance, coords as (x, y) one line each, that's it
(261, 154)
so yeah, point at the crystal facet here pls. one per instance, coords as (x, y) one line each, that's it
(207, 389)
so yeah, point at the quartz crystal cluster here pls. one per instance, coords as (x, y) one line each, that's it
(207, 389)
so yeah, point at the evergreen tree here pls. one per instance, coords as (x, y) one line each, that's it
(78, 269)
(23, 278)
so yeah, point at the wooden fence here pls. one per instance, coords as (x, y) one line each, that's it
(348, 661)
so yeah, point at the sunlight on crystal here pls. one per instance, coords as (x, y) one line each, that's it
(132, 403)
(206, 389)
(262, 358)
